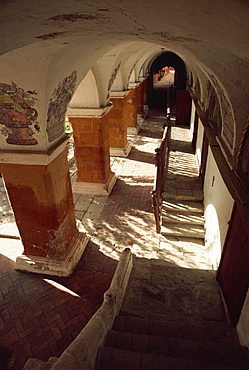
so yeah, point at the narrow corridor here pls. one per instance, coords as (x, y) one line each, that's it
(41, 315)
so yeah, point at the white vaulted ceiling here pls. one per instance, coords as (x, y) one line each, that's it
(43, 41)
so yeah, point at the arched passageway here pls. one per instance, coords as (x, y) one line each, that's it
(94, 64)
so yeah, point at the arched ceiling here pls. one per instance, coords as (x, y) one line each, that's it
(43, 41)
(220, 24)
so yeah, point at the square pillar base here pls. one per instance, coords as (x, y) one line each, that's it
(95, 188)
(133, 130)
(42, 265)
(120, 152)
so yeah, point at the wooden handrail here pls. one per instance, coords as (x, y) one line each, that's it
(162, 154)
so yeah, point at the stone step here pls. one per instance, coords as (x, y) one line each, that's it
(9, 230)
(193, 218)
(183, 230)
(211, 331)
(173, 182)
(182, 206)
(192, 350)
(182, 194)
(110, 358)
(185, 245)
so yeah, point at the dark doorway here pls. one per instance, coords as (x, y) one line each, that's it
(183, 108)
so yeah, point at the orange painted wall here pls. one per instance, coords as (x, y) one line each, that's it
(92, 148)
(42, 201)
(117, 123)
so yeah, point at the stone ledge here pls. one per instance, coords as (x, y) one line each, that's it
(94, 188)
(89, 112)
(133, 130)
(31, 157)
(119, 94)
(120, 152)
(47, 266)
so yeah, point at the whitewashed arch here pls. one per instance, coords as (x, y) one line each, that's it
(86, 95)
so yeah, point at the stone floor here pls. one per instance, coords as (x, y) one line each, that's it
(172, 316)
(177, 282)
(41, 315)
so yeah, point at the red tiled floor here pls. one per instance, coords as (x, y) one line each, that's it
(38, 319)
(41, 315)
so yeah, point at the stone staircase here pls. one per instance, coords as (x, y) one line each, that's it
(136, 343)
(171, 318)
(172, 315)
(182, 208)
(182, 215)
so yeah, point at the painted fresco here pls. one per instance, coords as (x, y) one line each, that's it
(113, 76)
(18, 117)
(58, 106)
(242, 155)
(227, 115)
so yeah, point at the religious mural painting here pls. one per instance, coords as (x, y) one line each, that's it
(242, 155)
(58, 106)
(227, 115)
(18, 117)
(113, 76)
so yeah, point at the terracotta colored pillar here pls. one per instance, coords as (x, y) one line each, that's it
(140, 100)
(40, 193)
(119, 145)
(92, 151)
(145, 96)
(131, 112)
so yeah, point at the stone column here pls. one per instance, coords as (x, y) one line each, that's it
(39, 189)
(140, 101)
(131, 112)
(145, 96)
(92, 151)
(119, 145)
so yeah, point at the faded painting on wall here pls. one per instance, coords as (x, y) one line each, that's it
(18, 117)
(113, 76)
(58, 105)
(227, 115)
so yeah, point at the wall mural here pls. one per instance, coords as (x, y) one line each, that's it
(113, 76)
(227, 115)
(243, 162)
(58, 106)
(17, 115)
(241, 155)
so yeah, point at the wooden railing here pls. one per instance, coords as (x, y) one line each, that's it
(162, 154)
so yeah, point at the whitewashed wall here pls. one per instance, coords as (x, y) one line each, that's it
(218, 205)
